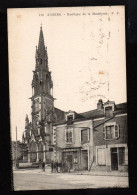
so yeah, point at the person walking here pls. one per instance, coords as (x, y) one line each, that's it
(56, 166)
(52, 166)
(60, 166)
(43, 166)
(68, 166)
(40, 165)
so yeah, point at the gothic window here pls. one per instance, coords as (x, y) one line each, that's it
(69, 135)
(36, 102)
(40, 61)
(40, 154)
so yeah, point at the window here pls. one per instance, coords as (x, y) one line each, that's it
(36, 103)
(84, 135)
(70, 118)
(69, 135)
(111, 131)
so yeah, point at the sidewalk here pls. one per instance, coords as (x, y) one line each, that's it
(93, 173)
(97, 173)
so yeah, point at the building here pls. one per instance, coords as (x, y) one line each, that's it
(73, 140)
(110, 137)
(38, 133)
(95, 140)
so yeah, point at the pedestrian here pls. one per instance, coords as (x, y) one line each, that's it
(56, 165)
(52, 166)
(43, 166)
(40, 164)
(68, 166)
(60, 166)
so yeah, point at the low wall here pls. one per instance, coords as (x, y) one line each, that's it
(28, 165)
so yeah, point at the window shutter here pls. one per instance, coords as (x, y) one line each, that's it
(65, 135)
(117, 127)
(88, 134)
(101, 156)
(104, 132)
(72, 134)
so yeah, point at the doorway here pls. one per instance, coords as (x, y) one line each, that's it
(114, 159)
(70, 160)
(85, 159)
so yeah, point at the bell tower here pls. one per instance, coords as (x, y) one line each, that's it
(39, 134)
(42, 85)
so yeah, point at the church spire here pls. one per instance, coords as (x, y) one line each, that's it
(41, 51)
(41, 45)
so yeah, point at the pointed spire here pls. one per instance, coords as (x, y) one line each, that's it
(41, 45)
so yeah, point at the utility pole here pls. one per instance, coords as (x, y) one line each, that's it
(16, 147)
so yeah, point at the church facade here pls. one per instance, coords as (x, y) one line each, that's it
(38, 134)
(93, 140)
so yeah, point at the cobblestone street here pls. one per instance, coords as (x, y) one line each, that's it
(38, 180)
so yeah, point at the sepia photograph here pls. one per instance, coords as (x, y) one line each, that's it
(68, 97)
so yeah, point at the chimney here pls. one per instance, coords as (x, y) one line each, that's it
(100, 104)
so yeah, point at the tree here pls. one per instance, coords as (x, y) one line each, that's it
(22, 149)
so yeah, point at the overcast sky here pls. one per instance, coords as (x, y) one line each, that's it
(85, 52)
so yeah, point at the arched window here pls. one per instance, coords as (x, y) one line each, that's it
(33, 154)
(40, 149)
(40, 61)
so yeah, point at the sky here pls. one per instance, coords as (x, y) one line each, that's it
(86, 55)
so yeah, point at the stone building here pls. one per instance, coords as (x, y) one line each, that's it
(38, 134)
(93, 140)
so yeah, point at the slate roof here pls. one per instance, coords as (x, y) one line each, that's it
(96, 113)
(60, 114)
(119, 109)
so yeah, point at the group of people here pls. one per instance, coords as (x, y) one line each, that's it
(42, 165)
(57, 167)
(60, 167)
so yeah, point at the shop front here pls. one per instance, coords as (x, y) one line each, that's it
(73, 156)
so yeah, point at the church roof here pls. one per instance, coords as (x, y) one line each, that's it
(60, 114)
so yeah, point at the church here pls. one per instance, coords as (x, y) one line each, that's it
(95, 140)
(38, 134)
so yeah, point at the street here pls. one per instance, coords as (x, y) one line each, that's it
(38, 180)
